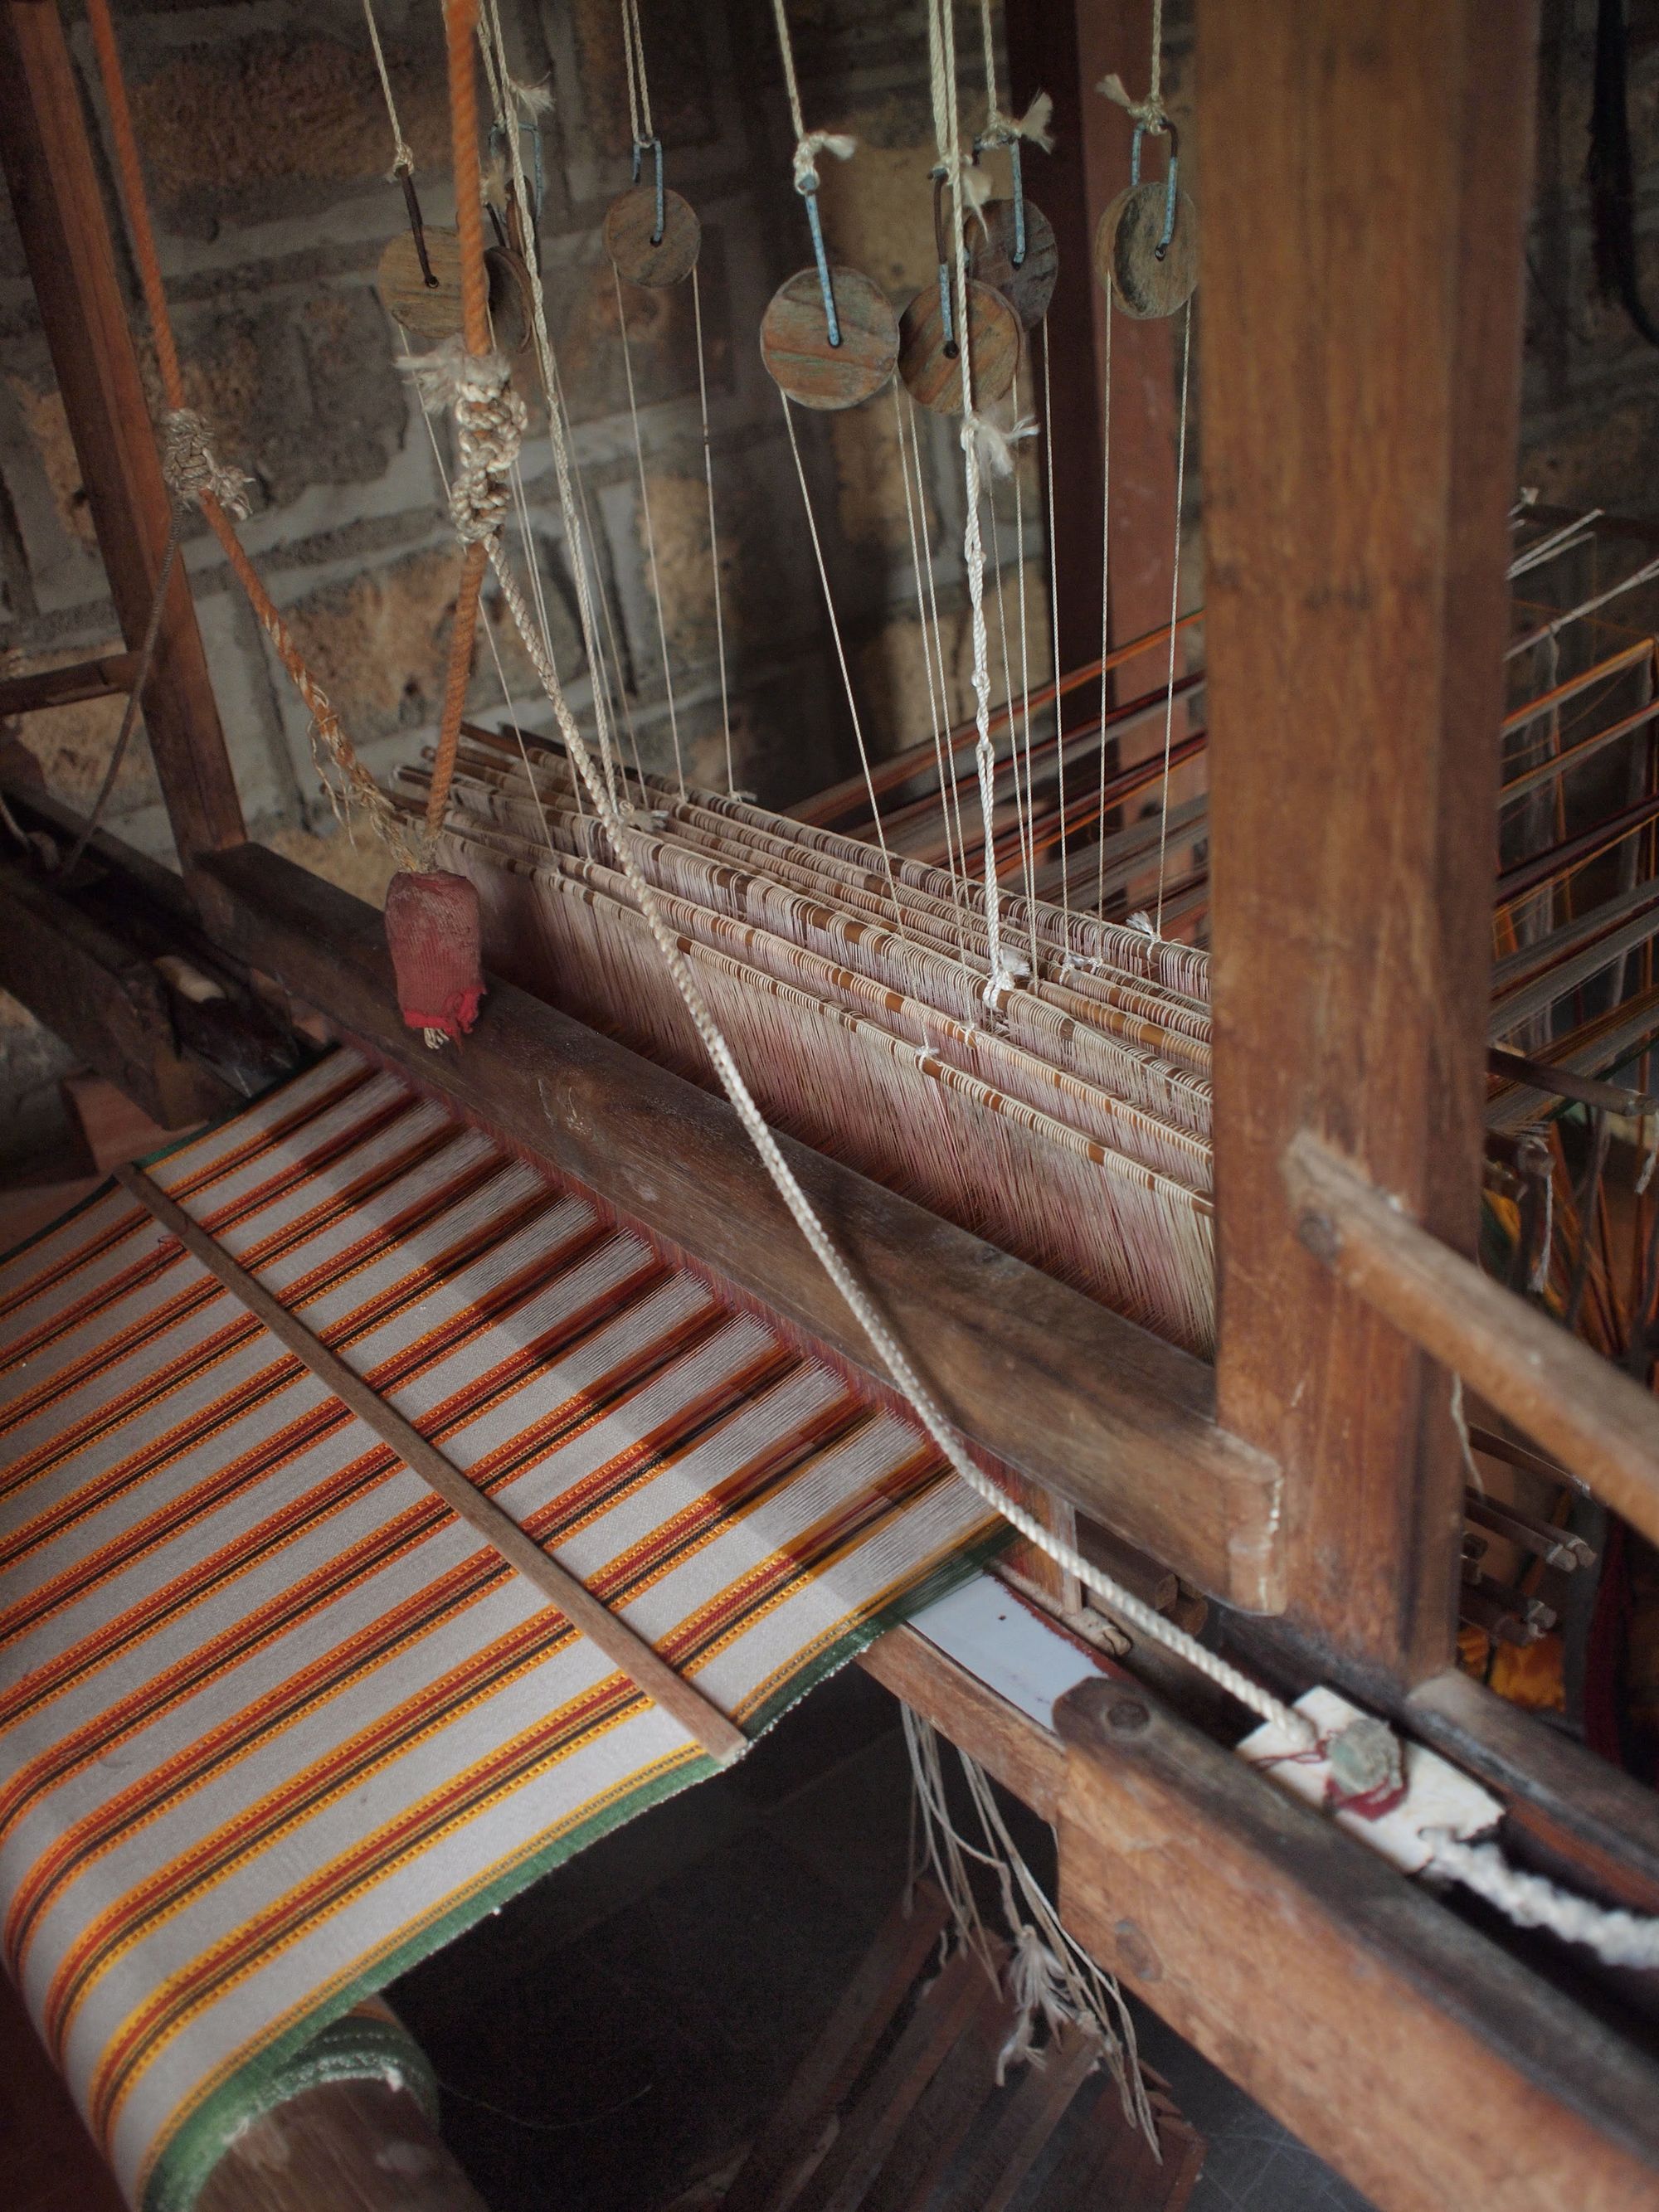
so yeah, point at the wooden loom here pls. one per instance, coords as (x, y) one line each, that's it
(1312, 1481)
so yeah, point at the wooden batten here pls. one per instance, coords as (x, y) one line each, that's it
(59, 208)
(1359, 360)
(1111, 1418)
(1398, 2044)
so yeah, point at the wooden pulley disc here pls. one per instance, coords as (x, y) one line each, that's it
(1029, 287)
(934, 374)
(426, 310)
(1126, 252)
(630, 225)
(795, 339)
(512, 315)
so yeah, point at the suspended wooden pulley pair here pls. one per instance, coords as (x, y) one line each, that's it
(830, 338)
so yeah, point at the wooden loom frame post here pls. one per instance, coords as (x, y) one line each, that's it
(59, 210)
(1360, 384)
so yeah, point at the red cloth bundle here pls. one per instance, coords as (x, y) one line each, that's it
(433, 934)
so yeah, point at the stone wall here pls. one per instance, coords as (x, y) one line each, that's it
(267, 146)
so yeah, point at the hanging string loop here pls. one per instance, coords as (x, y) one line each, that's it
(1171, 186)
(1149, 113)
(809, 144)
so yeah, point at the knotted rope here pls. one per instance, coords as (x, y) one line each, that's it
(999, 130)
(1148, 112)
(809, 144)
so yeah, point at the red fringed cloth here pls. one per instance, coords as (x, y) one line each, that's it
(432, 931)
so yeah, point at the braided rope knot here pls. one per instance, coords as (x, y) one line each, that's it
(1003, 130)
(193, 470)
(810, 145)
(992, 444)
(1148, 112)
(490, 420)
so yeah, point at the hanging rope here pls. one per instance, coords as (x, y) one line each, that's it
(809, 144)
(403, 160)
(999, 130)
(1175, 608)
(193, 471)
(1148, 112)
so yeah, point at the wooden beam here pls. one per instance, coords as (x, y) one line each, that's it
(106, 678)
(101, 997)
(1365, 167)
(1416, 2056)
(1042, 1377)
(340, 2147)
(55, 197)
(1602, 1426)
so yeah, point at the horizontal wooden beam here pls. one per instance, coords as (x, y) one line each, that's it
(101, 997)
(103, 678)
(1432, 2068)
(1599, 1424)
(1030, 1370)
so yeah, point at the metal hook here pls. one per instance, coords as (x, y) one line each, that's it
(946, 322)
(1166, 129)
(807, 185)
(406, 178)
(642, 146)
(1017, 182)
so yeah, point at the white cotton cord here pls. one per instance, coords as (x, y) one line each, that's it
(1025, 714)
(1148, 112)
(1050, 1976)
(942, 70)
(402, 161)
(999, 129)
(574, 538)
(1105, 598)
(1175, 609)
(1617, 1937)
(639, 92)
(955, 801)
(1053, 619)
(938, 711)
(650, 536)
(887, 1346)
(846, 672)
(487, 628)
(809, 144)
(714, 539)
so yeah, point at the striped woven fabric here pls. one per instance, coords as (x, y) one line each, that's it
(273, 1723)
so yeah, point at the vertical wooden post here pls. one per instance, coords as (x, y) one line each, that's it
(56, 198)
(1365, 165)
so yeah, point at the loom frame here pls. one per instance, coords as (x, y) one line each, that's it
(1335, 1508)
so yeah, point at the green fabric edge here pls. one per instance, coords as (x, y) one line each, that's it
(376, 2051)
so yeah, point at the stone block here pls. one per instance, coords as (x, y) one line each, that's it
(269, 125)
(1593, 457)
(586, 316)
(870, 499)
(677, 72)
(877, 208)
(379, 645)
(890, 670)
(354, 861)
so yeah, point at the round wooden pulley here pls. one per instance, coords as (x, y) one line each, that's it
(932, 370)
(426, 311)
(512, 313)
(1028, 287)
(636, 252)
(1127, 257)
(795, 339)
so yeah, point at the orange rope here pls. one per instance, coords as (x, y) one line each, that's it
(137, 204)
(359, 785)
(460, 19)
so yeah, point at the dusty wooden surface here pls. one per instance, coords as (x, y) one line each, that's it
(1356, 540)
(1431, 2068)
(1029, 287)
(933, 373)
(1145, 286)
(638, 258)
(345, 2147)
(795, 339)
(59, 208)
(1105, 1414)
